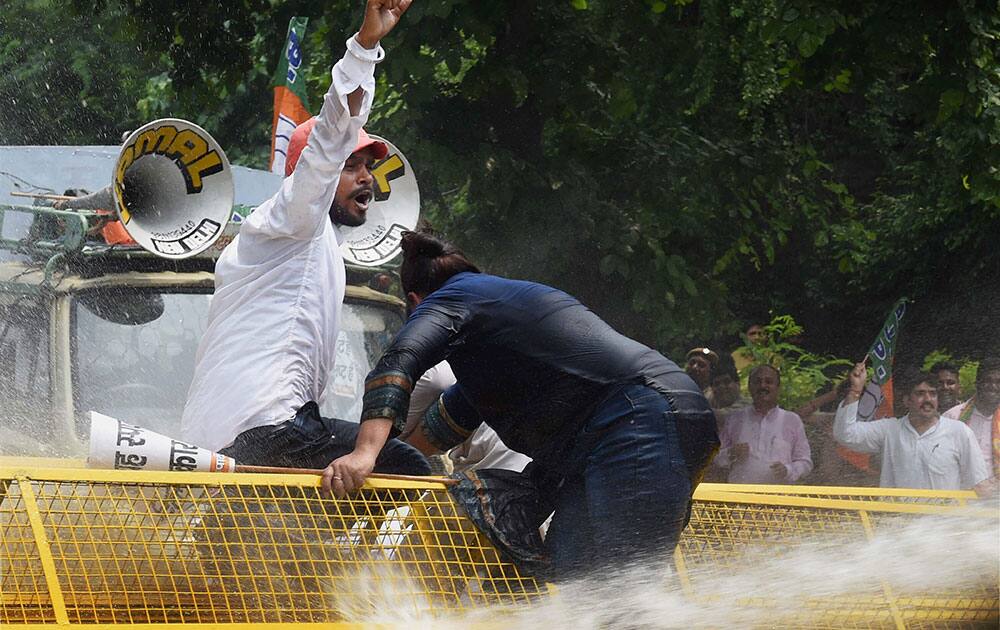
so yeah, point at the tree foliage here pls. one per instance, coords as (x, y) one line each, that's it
(681, 166)
(67, 78)
(804, 374)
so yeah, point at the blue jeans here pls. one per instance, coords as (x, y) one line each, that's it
(626, 494)
(312, 441)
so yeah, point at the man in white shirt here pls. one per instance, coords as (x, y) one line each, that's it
(270, 344)
(919, 450)
(764, 443)
(982, 412)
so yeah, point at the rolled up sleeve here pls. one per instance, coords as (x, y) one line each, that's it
(452, 420)
(387, 395)
(972, 465)
(802, 463)
(421, 344)
(864, 437)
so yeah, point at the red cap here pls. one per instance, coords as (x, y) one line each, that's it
(301, 136)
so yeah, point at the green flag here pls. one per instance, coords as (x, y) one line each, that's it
(290, 105)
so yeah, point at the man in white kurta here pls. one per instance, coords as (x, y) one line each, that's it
(919, 450)
(270, 344)
(764, 443)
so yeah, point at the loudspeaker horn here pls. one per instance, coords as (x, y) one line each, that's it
(173, 188)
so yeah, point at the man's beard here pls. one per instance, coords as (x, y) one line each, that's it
(341, 216)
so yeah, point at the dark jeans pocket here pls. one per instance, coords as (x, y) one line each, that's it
(618, 408)
(631, 499)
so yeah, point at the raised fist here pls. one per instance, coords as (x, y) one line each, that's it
(381, 16)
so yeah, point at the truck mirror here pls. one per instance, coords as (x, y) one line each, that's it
(130, 308)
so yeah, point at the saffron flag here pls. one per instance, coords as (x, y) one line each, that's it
(290, 106)
(876, 401)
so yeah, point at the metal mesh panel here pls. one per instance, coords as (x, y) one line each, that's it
(120, 547)
(23, 595)
(160, 551)
(730, 530)
(944, 608)
(724, 537)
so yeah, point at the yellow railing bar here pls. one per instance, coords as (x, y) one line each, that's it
(202, 478)
(21, 462)
(44, 552)
(827, 490)
(277, 625)
(839, 504)
(889, 598)
(54, 469)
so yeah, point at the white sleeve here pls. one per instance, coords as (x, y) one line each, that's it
(955, 412)
(485, 449)
(864, 437)
(298, 210)
(427, 391)
(972, 466)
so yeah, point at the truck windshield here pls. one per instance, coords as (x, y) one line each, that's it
(134, 352)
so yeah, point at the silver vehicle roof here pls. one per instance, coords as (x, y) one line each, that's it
(54, 169)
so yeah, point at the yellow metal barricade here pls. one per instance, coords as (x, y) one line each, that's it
(121, 547)
(82, 546)
(733, 526)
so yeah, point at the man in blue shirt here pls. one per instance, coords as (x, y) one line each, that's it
(620, 434)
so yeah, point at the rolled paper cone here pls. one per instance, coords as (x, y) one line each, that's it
(119, 445)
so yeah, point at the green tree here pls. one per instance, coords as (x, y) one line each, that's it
(67, 81)
(680, 166)
(804, 374)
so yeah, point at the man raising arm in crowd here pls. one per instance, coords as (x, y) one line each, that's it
(920, 450)
(269, 348)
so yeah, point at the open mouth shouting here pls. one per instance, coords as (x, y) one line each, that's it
(362, 197)
(353, 210)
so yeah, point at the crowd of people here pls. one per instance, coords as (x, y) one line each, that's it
(946, 439)
(505, 374)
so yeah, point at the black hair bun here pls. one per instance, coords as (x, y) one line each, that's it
(421, 245)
